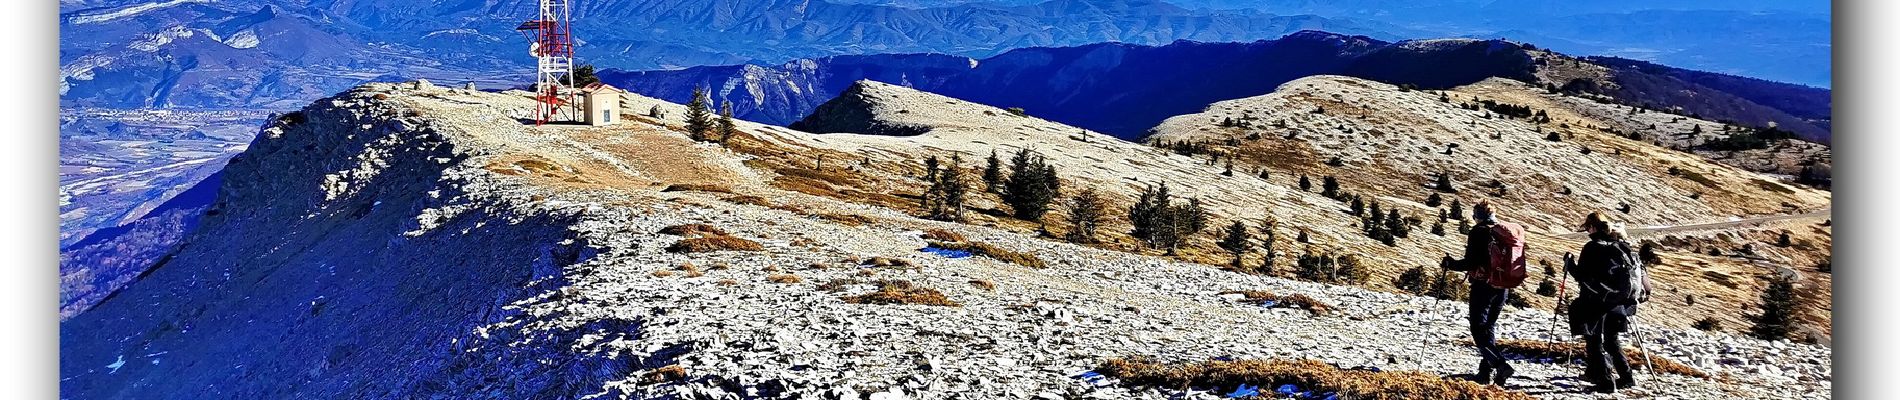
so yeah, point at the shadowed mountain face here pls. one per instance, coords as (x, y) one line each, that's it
(278, 54)
(1124, 89)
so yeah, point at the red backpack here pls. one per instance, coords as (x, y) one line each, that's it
(1506, 269)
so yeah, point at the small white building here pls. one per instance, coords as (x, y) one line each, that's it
(600, 104)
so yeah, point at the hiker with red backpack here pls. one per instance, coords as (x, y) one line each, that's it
(1611, 283)
(1494, 263)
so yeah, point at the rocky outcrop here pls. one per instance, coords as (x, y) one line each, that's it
(857, 110)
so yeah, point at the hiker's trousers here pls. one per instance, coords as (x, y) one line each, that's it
(1486, 304)
(1601, 349)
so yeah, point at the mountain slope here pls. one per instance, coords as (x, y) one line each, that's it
(448, 250)
(1124, 89)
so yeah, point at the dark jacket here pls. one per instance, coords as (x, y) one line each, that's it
(1589, 313)
(1477, 252)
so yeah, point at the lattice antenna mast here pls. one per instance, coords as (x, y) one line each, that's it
(551, 42)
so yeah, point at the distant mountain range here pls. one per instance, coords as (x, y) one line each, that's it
(280, 53)
(1124, 89)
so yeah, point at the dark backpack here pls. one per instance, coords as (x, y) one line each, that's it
(1627, 282)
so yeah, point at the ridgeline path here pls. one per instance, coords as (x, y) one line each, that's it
(1656, 230)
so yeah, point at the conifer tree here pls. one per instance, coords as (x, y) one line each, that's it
(1031, 187)
(1329, 187)
(1434, 200)
(1237, 241)
(1266, 247)
(1357, 207)
(1395, 224)
(699, 123)
(1778, 304)
(1306, 185)
(726, 127)
(1457, 210)
(1147, 213)
(993, 174)
(1444, 183)
(1087, 211)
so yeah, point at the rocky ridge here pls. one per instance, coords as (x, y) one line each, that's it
(408, 222)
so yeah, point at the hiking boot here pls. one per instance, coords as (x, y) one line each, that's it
(1626, 382)
(1605, 387)
(1482, 377)
(1505, 373)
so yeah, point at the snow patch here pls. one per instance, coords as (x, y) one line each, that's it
(127, 12)
(244, 39)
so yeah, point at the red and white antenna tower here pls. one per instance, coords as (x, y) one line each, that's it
(552, 44)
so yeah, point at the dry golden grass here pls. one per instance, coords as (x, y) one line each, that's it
(1309, 375)
(983, 284)
(784, 278)
(1299, 301)
(902, 292)
(998, 253)
(1532, 348)
(867, 272)
(888, 262)
(692, 271)
(694, 230)
(749, 199)
(696, 187)
(942, 235)
(662, 274)
(836, 285)
(670, 373)
(727, 282)
(847, 219)
(715, 243)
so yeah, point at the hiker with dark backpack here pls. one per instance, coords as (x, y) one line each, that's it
(1494, 264)
(1611, 283)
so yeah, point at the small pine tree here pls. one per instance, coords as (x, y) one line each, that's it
(1230, 167)
(584, 75)
(1554, 137)
(1464, 227)
(1306, 185)
(1329, 187)
(1411, 281)
(1444, 183)
(1434, 200)
(993, 174)
(1357, 208)
(1267, 254)
(1457, 210)
(1708, 324)
(1547, 288)
(1438, 228)
(1031, 186)
(1786, 240)
(1778, 307)
(726, 126)
(1149, 213)
(943, 201)
(1647, 253)
(1395, 224)
(1086, 213)
(1237, 241)
(1303, 237)
(699, 123)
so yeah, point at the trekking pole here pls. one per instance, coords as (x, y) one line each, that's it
(1637, 329)
(1550, 335)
